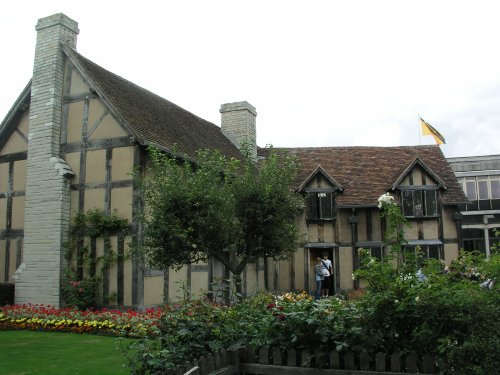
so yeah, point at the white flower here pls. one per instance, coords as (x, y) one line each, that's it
(385, 198)
(396, 301)
(353, 277)
(417, 298)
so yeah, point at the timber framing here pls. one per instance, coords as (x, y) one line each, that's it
(99, 144)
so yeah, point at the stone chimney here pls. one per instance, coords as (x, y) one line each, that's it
(47, 207)
(238, 125)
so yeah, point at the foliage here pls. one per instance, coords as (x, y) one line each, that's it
(95, 223)
(101, 322)
(430, 310)
(79, 293)
(409, 305)
(446, 314)
(454, 319)
(80, 282)
(222, 208)
(396, 221)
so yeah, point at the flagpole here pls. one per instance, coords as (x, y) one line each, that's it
(419, 132)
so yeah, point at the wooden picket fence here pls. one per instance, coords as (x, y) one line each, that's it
(250, 361)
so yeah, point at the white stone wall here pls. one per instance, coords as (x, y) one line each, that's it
(47, 191)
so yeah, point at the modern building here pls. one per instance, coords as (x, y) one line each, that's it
(479, 177)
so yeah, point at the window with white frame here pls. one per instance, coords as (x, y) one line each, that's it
(481, 187)
(419, 202)
(320, 206)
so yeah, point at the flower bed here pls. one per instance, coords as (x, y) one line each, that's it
(102, 322)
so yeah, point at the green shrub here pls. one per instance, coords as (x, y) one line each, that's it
(447, 315)
(79, 293)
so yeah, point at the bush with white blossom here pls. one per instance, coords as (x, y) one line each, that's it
(385, 199)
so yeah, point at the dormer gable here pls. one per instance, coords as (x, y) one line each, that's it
(321, 189)
(320, 180)
(417, 173)
(419, 187)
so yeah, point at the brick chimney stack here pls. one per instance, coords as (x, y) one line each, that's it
(47, 207)
(238, 125)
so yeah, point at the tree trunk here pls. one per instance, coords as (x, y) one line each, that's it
(238, 286)
(227, 285)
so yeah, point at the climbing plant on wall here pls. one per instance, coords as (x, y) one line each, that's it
(84, 268)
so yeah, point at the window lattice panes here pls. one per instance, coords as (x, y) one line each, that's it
(419, 203)
(320, 206)
(430, 202)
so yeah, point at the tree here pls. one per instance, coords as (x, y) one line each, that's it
(228, 209)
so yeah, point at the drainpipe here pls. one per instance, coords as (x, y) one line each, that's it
(353, 220)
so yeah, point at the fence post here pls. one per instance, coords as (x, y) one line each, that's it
(263, 356)
(210, 363)
(277, 357)
(305, 359)
(249, 354)
(428, 364)
(203, 365)
(334, 360)
(395, 362)
(319, 360)
(291, 358)
(380, 362)
(411, 362)
(233, 358)
(349, 361)
(364, 361)
(217, 361)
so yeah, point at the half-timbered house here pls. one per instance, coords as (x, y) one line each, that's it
(75, 133)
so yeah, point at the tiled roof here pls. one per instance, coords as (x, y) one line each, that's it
(151, 118)
(365, 173)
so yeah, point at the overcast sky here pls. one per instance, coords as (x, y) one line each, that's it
(320, 73)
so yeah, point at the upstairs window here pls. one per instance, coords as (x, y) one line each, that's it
(320, 206)
(419, 203)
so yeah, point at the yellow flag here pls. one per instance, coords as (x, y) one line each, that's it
(427, 129)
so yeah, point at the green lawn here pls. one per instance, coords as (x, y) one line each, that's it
(52, 353)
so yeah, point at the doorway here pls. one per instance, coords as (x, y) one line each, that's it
(333, 257)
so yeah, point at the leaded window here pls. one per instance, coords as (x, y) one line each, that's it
(320, 206)
(419, 203)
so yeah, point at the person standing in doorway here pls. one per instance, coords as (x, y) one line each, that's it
(327, 273)
(318, 271)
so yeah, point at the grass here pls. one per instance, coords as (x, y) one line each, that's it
(27, 353)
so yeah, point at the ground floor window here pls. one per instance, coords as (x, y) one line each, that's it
(376, 251)
(474, 239)
(428, 251)
(375, 248)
